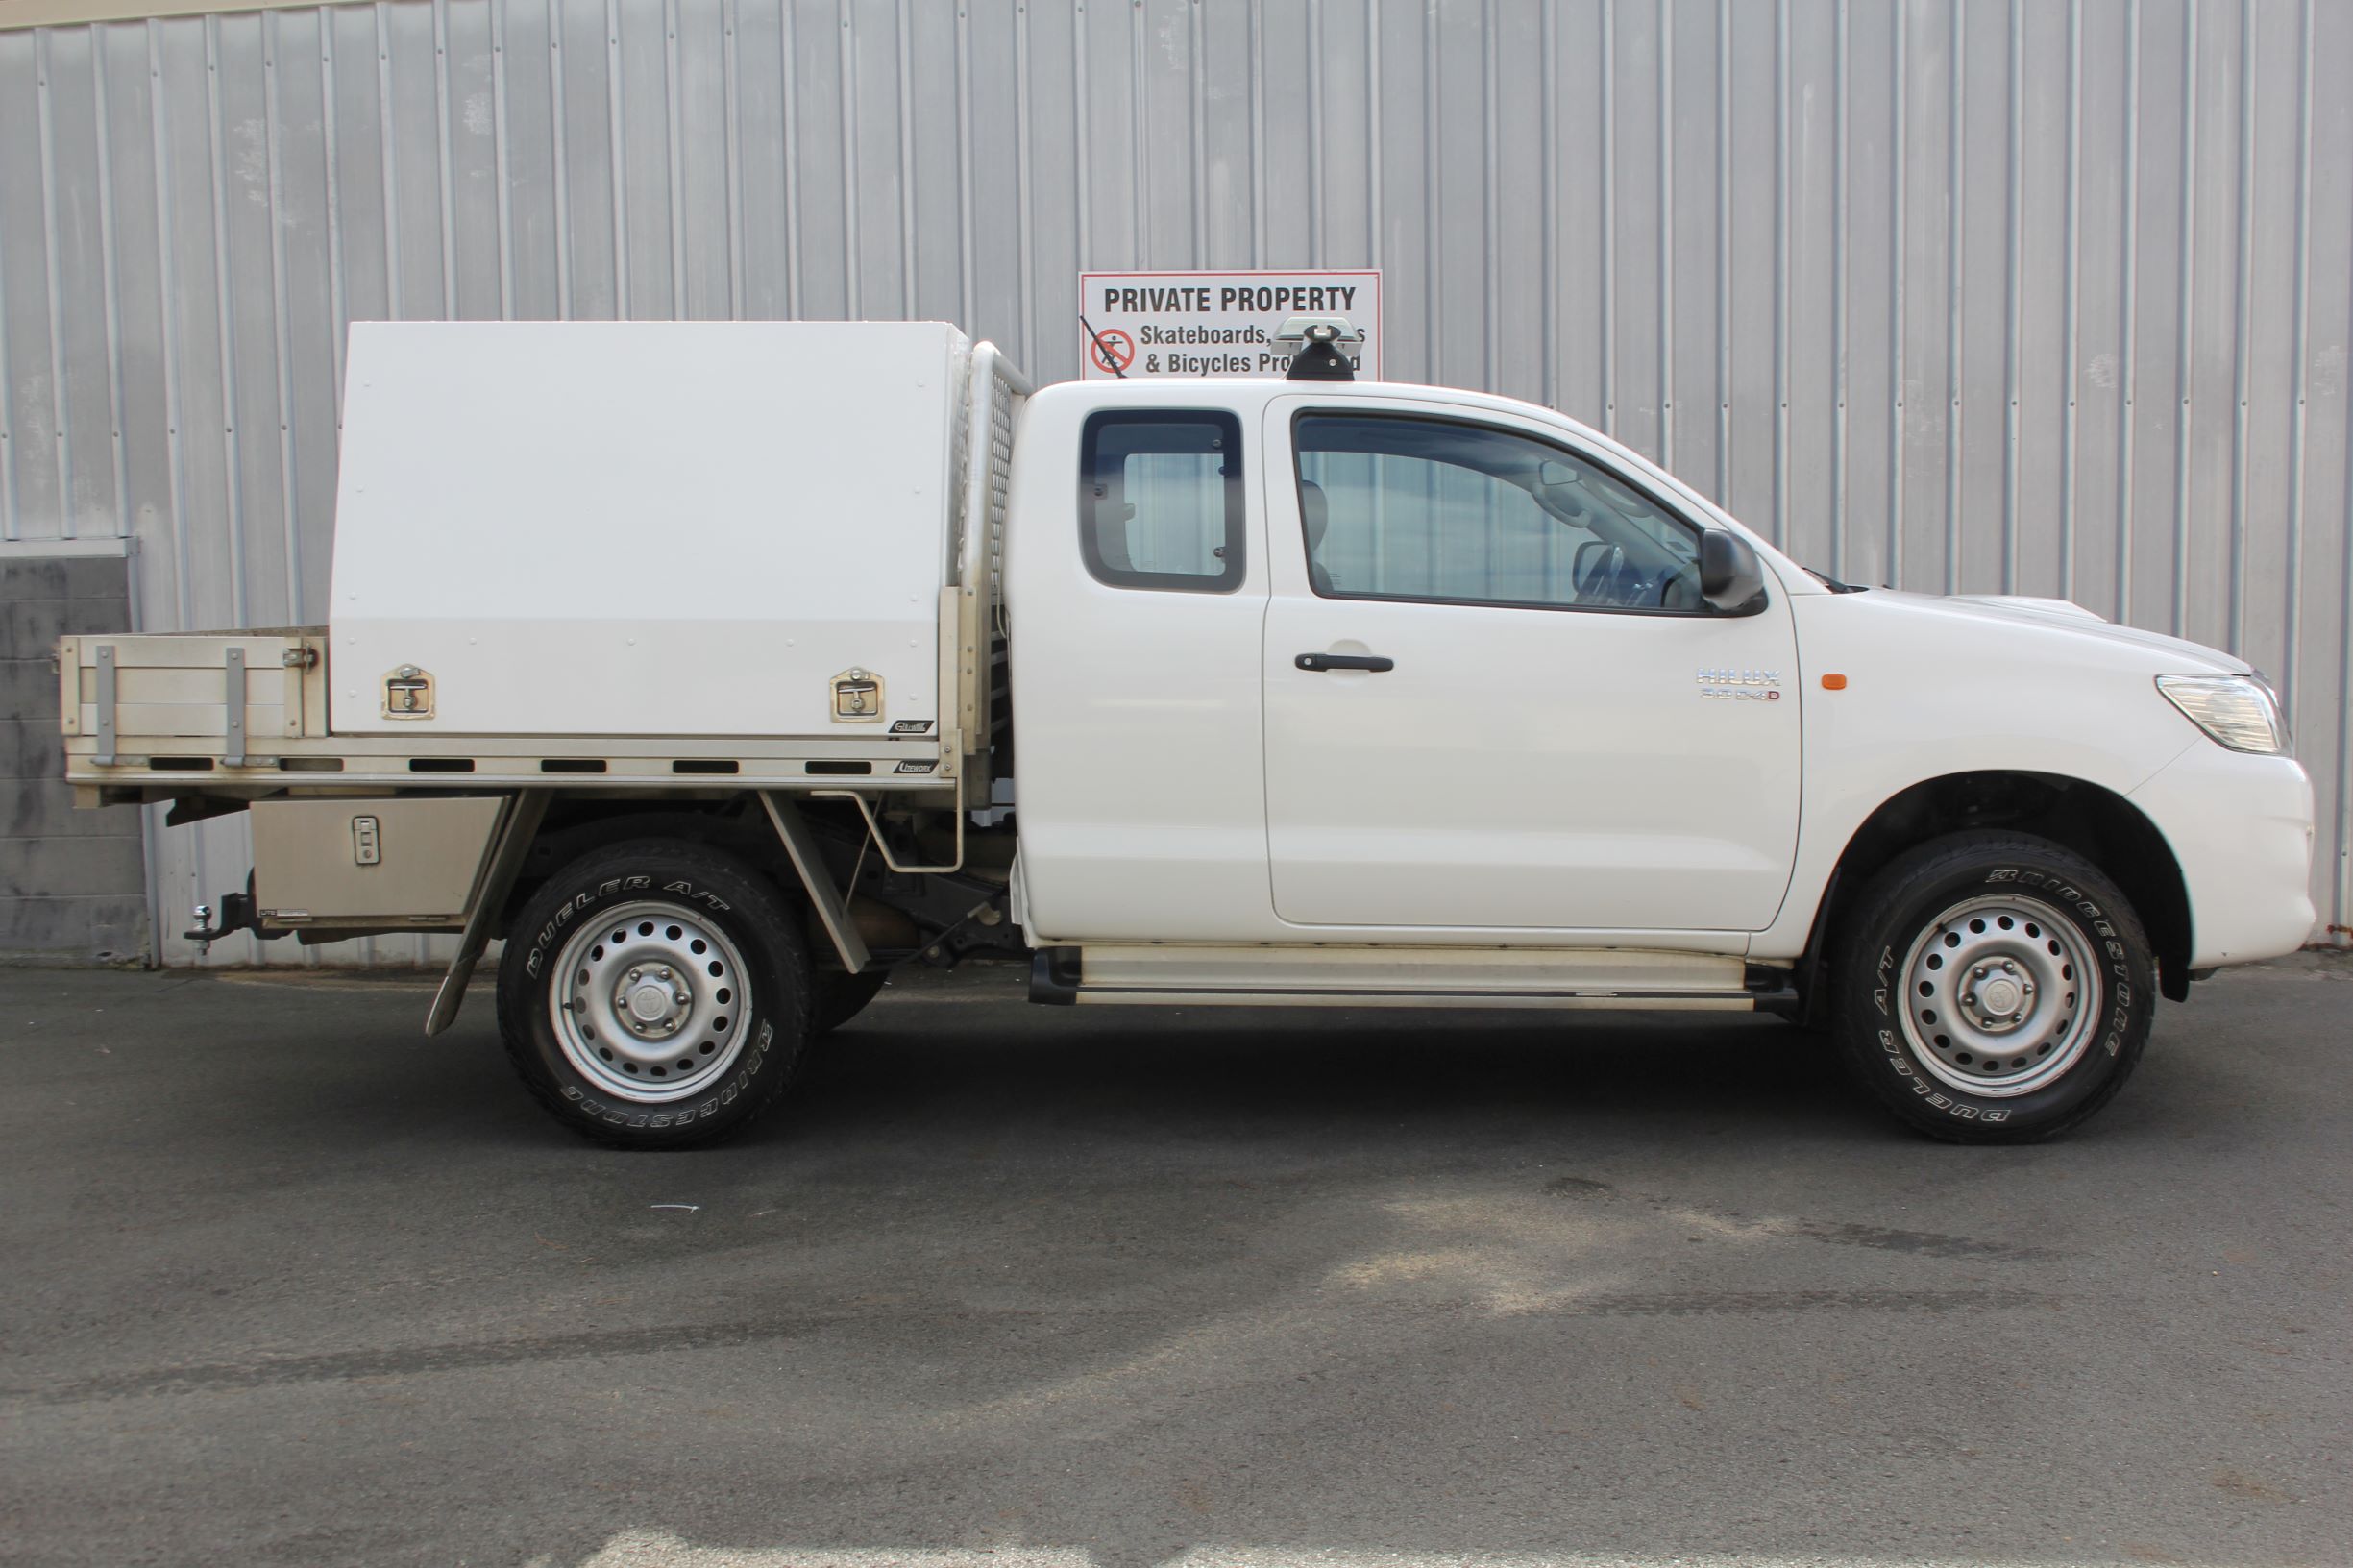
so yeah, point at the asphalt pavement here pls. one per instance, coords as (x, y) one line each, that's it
(281, 1281)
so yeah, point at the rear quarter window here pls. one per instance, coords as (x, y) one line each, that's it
(1160, 503)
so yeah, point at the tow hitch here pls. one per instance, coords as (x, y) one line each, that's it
(237, 913)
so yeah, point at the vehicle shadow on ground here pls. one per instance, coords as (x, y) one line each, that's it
(1177, 1072)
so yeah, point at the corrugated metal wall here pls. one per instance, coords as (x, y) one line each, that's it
(2034, 296)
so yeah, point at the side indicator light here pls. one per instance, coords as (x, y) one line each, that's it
(1833, 683)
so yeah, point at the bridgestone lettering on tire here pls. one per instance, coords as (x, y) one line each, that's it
(655, 995)
(1992, 988)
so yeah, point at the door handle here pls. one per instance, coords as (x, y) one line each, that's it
(1318, 663)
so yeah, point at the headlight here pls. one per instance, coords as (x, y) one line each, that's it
(2237, 711)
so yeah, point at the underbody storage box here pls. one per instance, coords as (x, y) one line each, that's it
(371, 860)
(644, 528)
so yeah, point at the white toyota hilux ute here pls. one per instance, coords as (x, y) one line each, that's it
(720, 668)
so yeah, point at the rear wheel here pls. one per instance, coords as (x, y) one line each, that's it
(1992, 988)
(655, 995)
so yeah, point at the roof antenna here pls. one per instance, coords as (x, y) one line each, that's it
(1319, 339)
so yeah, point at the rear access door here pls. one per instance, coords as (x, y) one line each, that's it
(1138, 594)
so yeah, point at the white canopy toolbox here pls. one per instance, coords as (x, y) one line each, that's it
(612, 556)
(644, 528)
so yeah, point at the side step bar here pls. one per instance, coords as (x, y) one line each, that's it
(1324, 976)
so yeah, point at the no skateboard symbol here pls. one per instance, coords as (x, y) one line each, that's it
(1111, 351)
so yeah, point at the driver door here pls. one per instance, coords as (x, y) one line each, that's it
(1494, 701)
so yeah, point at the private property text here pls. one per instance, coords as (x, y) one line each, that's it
(1327, 299)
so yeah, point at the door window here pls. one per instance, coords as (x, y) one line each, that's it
(1398, 506)
(1160, 499)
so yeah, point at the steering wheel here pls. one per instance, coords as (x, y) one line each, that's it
(1598, 583)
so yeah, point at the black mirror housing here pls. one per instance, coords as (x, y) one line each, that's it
(1731, 578)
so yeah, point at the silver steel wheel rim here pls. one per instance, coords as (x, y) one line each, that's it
(2001, 994)
(649, 1005)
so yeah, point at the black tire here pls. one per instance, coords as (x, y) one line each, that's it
(842, 998)
(699, 1071)
(2021, 920)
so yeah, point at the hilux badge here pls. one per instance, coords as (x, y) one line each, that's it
(1741, 685)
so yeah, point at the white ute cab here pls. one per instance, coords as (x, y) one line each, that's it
(720, 668)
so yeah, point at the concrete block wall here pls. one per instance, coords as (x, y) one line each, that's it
(73, 884)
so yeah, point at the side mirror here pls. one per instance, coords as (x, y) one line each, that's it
(1731, 578)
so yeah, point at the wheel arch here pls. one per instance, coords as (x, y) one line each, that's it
(2089, 818)
(892, 921)
(731, 823)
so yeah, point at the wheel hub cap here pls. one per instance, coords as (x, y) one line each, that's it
(649, 1003)
(2000, 1002)
(2001, 994)
(653, 1003)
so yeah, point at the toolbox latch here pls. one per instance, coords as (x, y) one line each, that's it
(409, 694)
(857, 696)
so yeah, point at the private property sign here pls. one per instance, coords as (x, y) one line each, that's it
(1184, 323)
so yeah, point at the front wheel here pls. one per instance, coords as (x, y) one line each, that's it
(655, 995)
(1992, 988)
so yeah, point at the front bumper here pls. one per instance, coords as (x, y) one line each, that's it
(2241, 829)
